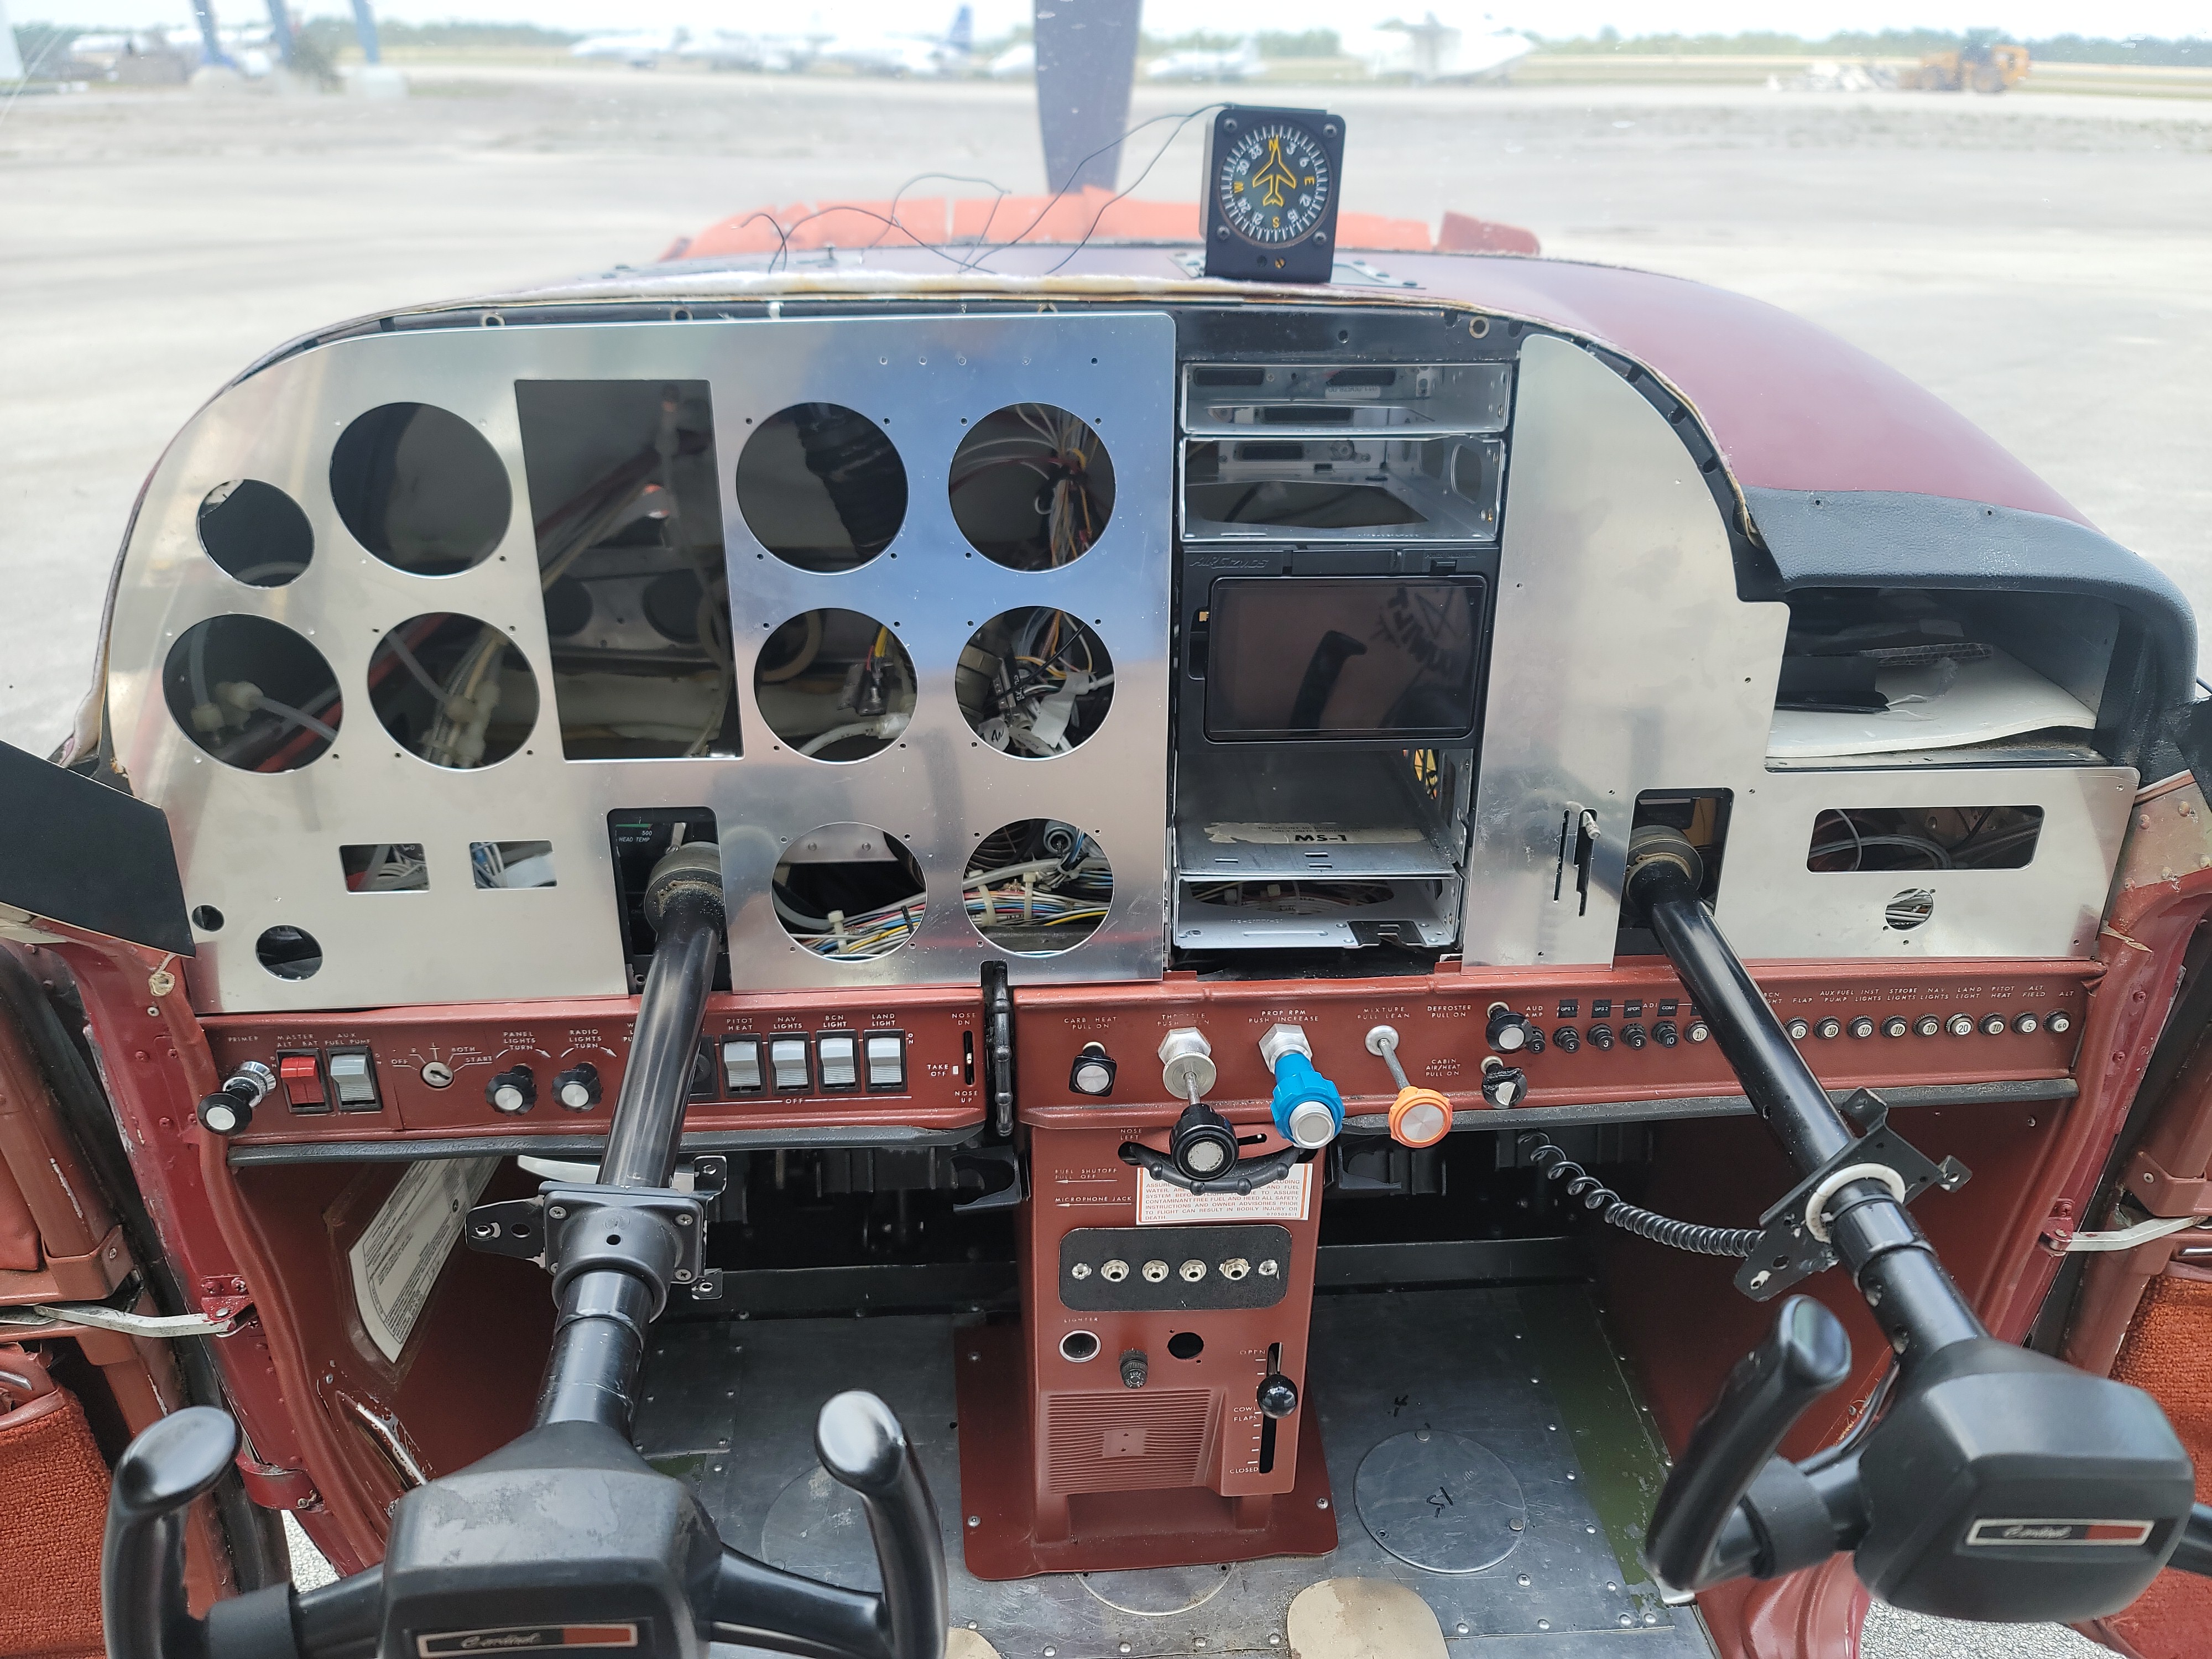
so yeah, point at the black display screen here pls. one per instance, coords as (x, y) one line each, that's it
(1357, 657)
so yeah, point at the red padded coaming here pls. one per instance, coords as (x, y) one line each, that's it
(2164, 1356)
(50, 1531)
(19, 1234)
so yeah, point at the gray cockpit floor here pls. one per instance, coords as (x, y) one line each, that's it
(1524, 1374)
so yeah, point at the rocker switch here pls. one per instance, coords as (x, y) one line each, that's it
(741, 1072)
(786, 1058)
(302, 1079)
(886, 1060)
(840, 1065)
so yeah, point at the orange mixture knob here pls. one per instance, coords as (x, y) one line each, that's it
(1420, 1117)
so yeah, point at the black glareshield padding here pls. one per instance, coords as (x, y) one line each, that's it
(82, 853)
(565, 1527)
(2003, 1484)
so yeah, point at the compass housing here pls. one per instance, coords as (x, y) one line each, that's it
(1272, 181)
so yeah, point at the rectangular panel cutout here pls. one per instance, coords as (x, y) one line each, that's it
(1701, 817)
(1354, 657)
(391, 867)
(640, 837)
(1912, 839)
(1357, 485)
(627, 502)
(512, 863)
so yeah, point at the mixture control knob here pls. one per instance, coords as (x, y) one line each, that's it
(515, 1090)
(1278, 1395)
(1092, 1073)
(1135, 1368)
(1634, 1035)
(1503, 1084)
(1508, 1031)
(577, 1088)
(1665, 1034)
(1600, 1037)
(229, 1110)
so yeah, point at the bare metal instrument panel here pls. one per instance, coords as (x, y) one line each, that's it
(343, 845)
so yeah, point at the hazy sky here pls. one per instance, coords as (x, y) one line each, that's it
(1813, 18)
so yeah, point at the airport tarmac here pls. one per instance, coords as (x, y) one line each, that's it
(2043, 262)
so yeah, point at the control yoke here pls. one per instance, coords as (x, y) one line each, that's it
(1998, 1484)
(564, 1538)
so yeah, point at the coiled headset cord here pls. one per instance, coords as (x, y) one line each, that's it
(1616, 1211)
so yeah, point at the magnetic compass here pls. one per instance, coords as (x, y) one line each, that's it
(1272, 178)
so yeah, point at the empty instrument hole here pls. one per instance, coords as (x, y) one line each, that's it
(207, 919)
(289, 952)
(256, 532)
(452, 690)
(1032, 487)
(421, 488)
(835, 685)
(1037, 887)
(822, 486)
(1186, 1345)
(252, 693)
(1034, 683)
(849, 891)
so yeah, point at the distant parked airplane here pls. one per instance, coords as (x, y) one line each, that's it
(1459, 45)
(1201, 63)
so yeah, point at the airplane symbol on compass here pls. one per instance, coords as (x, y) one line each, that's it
(1274, 175)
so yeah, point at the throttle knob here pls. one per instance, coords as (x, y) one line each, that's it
(1508, 1032)
(1202, 1145)
(1278, 1395)
(515, 1090)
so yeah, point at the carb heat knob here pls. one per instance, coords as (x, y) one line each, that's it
(1508, 1032)
(1278, 1395)
(1092, 1073)
(515, 1090)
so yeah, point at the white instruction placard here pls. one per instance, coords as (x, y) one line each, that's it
(1163, 1204)
(396, 1262)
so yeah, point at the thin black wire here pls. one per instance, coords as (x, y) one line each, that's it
(984, 251)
